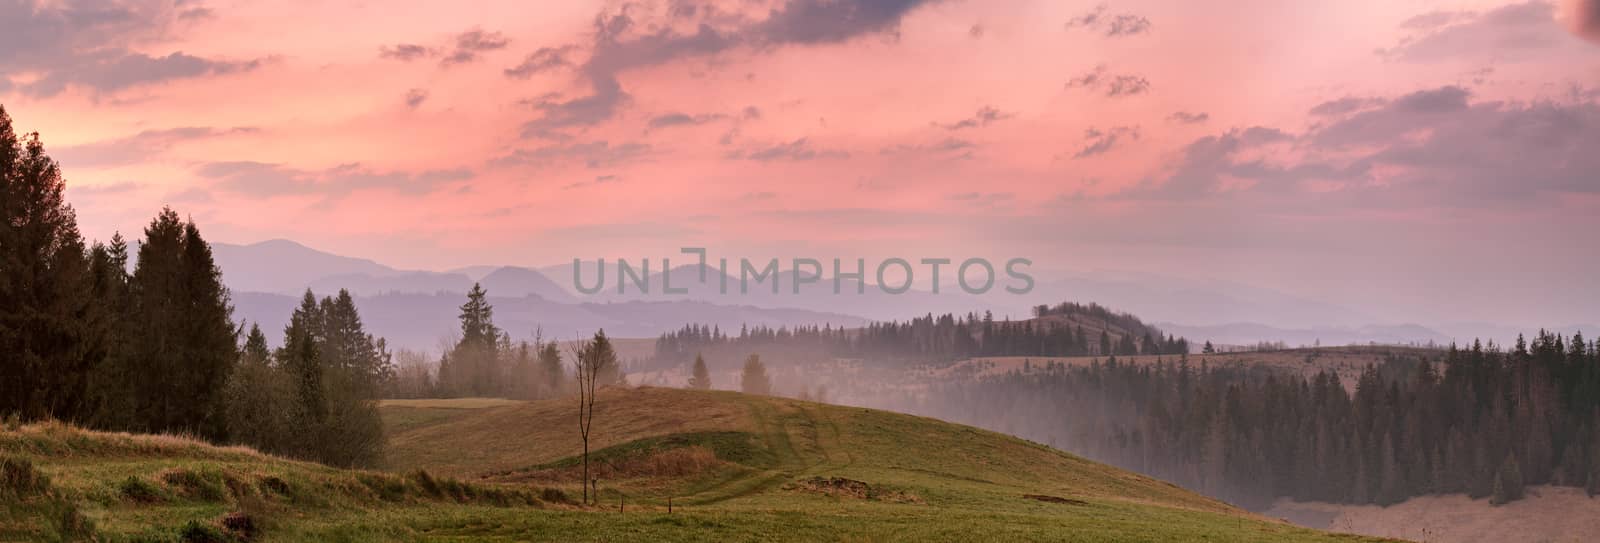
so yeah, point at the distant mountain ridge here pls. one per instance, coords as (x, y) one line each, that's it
(1198, 309)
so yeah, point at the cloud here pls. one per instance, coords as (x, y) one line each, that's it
(797, 150)
(946, 148)
(1508, 33)
(472, 42)
(598, 180)
(265, 180)
(1110, 25)
(975, 32)
(984, 116)
(595, 154)
(545, 59)
(415, 98)
(1436, 19)
(80, 190)
(630, 38)
(1113, 86)
(92, 45)
(981, 199)
(1341, 106)
(1099, 142)
(114, 71)
(1185, 117)
(683, 119)
(405, 52)
(1434, 147)
(139, 147)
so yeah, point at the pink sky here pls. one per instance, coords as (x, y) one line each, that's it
(1428, 159)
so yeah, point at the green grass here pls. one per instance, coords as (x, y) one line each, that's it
(736, 468)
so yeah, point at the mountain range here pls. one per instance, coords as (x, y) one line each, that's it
(417, 308)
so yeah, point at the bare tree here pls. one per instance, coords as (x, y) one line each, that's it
(589, 359)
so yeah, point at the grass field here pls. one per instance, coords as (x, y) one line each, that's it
(734, 468)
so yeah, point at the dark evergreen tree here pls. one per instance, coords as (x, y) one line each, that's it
(702, 376)
(753, 379)
(48, 332)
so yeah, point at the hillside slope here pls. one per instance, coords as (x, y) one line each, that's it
(734, 467)
(776, 468)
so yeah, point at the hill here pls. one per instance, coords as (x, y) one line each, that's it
(786, 469)
(735, 467)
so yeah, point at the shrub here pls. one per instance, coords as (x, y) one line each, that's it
(19, 479)
(140, 490)
(390, 489)
(198, 532)
(241, 525)
(429, 485)
(194, 485)
(272, 484)
(554, 495)
(70, 523)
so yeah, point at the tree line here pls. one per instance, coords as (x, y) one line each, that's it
(1056, 331)
(1477, 420)
(155, 349)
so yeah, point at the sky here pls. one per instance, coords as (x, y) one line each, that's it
(1422, 160)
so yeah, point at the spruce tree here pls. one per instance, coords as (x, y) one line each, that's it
(179, 344)
(550, 362)
(702, 377)
(753, 379)
(476, 370)
(49, 345)
(1507, 482)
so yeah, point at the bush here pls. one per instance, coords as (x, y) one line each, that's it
(70, 523)
(140, 490)
(194, 485)
(198, 532)
(554, 495)
(274, 485)
(19, 479)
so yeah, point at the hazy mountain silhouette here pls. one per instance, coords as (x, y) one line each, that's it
(1249, 333)
(853, 299)
(1195, 301)
(512, 281)
(283, 266)
(420, 321)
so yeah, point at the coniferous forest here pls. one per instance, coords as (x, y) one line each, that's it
(1058, 330)
(1477, 420)
(142, 338)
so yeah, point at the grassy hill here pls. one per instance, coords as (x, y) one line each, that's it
(734, 467)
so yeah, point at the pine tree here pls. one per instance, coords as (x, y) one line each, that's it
(550, 361)
(45, 285)
(1507, 482)
(476, 370)
(258, 396)
(301, 359)
(702, 377)
(179, 346)
(753, 379)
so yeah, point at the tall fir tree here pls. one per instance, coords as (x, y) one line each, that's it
(753, 379)
(702, 376)
(46, 304)
(179, 346)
